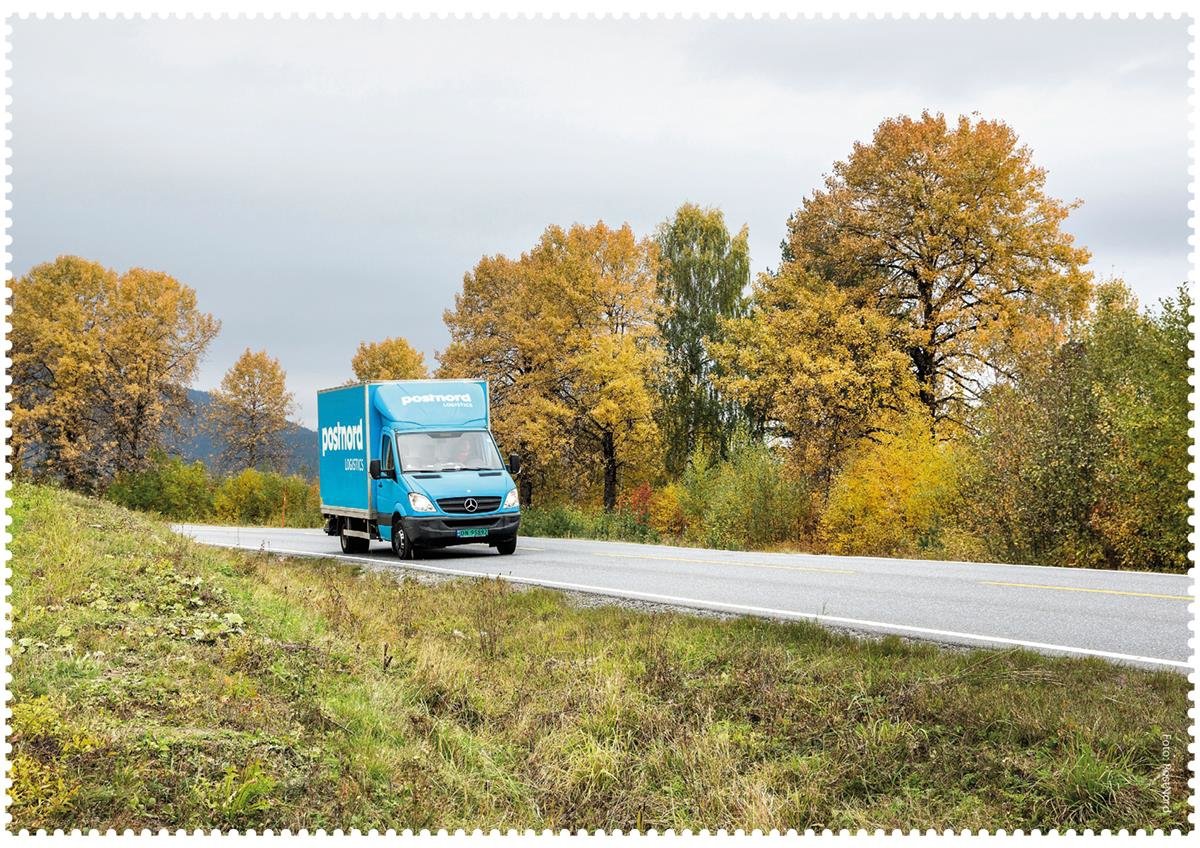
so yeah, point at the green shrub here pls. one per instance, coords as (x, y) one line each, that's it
(747, 501)
(557, 521)
(562, 521)
(258, 497)
(243, 796)
(169, 487)
(624, 525)
(242, 499)
(1084, 462)
(186, 492)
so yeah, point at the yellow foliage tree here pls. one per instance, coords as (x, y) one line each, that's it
(250, 412)
(895, 495)
(947, 229)
(567, 338)
(101, 362)
(816, 370)
(390, 359)
(495, 336)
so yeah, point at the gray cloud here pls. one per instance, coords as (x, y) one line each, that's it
(321, 182)
(960, 57)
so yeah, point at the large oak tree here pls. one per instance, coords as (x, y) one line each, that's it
(946, 228)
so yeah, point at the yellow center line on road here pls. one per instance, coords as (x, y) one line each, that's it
(1081, 589)
(734, 562)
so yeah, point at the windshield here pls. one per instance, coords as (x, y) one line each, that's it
(472, 450)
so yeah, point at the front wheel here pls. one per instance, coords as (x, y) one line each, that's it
(401, 545)
(506, 547)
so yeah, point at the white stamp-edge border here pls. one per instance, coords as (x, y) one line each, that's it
(701, 9)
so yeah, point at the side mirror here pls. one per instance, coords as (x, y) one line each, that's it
(376, 473)
(514, 463)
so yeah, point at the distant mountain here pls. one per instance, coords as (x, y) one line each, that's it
(194, 443)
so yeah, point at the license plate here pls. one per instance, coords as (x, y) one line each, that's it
(472, 532)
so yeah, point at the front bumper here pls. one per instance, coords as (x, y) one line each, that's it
(438, 531)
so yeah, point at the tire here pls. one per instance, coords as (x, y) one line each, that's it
(352, 544)
(506, 547)
(402, 546)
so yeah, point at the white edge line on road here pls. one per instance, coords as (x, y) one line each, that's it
(720, 605)
(894, 560)
(1131, 572)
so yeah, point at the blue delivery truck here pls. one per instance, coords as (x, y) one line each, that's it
(413, 463)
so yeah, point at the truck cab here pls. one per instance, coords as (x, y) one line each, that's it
(413, 463)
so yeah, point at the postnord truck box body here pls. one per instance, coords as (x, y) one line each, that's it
(413, 463)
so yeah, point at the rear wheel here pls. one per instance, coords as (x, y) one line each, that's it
(352, 544)
(402, 546)
(506, 547)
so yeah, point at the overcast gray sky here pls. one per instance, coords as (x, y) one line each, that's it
(322, 182)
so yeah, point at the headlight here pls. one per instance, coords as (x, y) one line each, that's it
(511, 500)
(420, 503)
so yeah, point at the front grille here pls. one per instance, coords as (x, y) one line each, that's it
(471, 522)
(459, 505)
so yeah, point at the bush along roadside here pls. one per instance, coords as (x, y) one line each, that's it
(747, 501)
(562, 521)
(158, 683)
(184, 491)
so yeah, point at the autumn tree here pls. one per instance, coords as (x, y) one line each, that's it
(947, 230)
(702, 277)
(391, 359)
(101, 362)
(55, 369)
(497, 335)
(816, 370)
(151, 352)
(599, 286)
(567, 335)
(250, 412)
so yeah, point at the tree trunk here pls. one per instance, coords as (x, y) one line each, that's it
(923, 359)
(924, 355)
(608, 449)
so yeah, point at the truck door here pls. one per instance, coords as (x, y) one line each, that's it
(387, 487)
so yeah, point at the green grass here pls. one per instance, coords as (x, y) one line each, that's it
(157, 683)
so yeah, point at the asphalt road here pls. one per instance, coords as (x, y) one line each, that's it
(1125, 616)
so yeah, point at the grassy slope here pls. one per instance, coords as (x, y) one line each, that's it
(159, 683)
